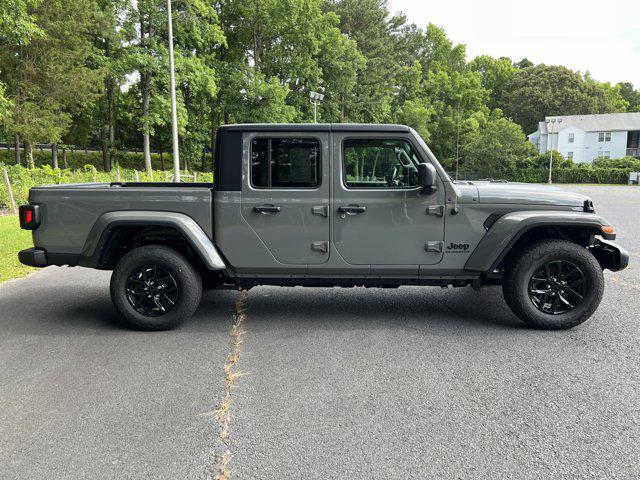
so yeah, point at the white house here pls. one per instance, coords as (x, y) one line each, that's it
(586, 137)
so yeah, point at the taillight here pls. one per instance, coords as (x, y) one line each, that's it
(29, 217)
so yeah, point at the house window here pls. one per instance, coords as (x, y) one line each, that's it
(572, 138)
(606, 154)
(569, 155)
(285, 163)
(604, 136)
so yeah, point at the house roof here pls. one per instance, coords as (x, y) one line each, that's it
(605, 122)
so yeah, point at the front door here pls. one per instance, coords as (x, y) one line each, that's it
(383, 218)
(285, 195)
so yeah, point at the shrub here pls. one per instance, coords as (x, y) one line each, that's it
(630, 163)
(577, 173)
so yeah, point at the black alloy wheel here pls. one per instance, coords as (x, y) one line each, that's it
(152, 291)
(557, 287)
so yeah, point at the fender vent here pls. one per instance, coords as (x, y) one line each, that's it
(588, 206)
(491, 219)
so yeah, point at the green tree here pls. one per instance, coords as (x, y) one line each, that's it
(535, 92)
(198, 38)
(632, 96)
(497, 146)
(47, 78)
(418, 115)
(496, 73)
(146, 56)
(524, 63)
(438, 53)
(197, 34)
(17, 27)
(109, 40)
(613, 94)
(376, 33)
(277, 53)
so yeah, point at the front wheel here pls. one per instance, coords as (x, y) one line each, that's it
(155, 288)
(553, 284)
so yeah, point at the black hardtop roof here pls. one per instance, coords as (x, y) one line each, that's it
(315, 127)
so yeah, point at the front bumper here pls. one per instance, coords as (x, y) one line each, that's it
(33, 257)
(610, 255)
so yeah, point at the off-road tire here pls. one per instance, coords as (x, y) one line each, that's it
(518, 272)
(188, 280)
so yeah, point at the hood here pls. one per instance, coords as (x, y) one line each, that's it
(527, 194)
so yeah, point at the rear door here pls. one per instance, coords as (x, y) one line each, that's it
(382, 217)
(285, 194)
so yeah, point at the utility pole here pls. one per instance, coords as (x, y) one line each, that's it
(174, 110)
(550, 124)
(316, 98)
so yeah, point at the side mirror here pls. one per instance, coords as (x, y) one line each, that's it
(427, 176)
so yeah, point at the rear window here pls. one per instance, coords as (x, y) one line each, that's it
(285, 163)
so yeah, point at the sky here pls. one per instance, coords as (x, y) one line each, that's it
(600, 37)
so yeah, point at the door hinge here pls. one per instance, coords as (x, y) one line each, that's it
(322, 210)
(437, 210)
(322, 247)
(434, 247)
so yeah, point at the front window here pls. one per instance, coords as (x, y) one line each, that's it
(572, 137)
(570, 155)
(379, 163)
(285, 163)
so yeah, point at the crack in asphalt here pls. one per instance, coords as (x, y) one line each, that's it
(222, 451)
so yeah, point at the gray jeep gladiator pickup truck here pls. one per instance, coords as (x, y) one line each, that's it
(326, 205)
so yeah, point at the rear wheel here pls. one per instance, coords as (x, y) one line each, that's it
(553, 284)
(155, 288)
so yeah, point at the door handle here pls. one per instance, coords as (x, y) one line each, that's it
(322, 210)
(434, 247)
(352, 209)
(266, 209)
(435, 210)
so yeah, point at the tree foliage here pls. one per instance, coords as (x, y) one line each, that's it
(535, 92)
(47, 77)
(96, 72)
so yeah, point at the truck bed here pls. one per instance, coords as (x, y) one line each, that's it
(69, 211)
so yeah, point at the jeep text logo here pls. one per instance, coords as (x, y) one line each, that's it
(459, 247)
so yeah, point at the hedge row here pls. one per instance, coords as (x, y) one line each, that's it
(574, 174)
(22, 179)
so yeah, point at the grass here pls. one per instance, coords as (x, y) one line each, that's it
(12, 239)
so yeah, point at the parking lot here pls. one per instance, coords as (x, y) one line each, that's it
(339, 383)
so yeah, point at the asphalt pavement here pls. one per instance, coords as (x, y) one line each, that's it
(340, 383)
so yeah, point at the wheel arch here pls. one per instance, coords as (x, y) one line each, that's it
(514, 230)
(115, 233)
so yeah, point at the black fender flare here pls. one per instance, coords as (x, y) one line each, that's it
(103, 227)
(506, 231)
